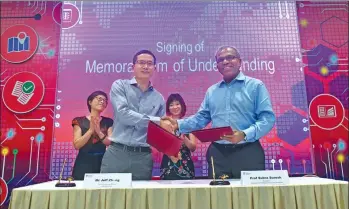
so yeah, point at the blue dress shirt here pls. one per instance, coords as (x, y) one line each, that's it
(243, 104)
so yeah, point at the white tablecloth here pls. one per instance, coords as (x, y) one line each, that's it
(301, 193)
(184, 184)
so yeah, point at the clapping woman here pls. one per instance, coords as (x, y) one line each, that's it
(91, 136)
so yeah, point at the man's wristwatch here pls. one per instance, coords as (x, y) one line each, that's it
(245, 138)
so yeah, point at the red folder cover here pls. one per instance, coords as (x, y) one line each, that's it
(212, 134)
(162, 140)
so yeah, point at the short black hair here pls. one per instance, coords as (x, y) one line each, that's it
(143, 51)
(221, 48)
(94, 95)
(179, 98)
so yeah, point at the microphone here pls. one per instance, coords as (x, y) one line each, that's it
(65, 184)
(219, 182)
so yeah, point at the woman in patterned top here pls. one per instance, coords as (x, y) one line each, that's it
(91, 136)
(182, 166)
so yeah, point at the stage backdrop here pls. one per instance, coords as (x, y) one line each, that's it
(265, 32)
(324, 41)
(29, 58)
(99, 39)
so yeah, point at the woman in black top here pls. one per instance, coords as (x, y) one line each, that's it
(91, 136)
(182, 166)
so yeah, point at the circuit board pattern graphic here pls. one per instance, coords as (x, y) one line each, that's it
(323, 31)
(26, 139)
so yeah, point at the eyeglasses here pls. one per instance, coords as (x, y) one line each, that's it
(143, 63)
(101, 99)
(229, 58)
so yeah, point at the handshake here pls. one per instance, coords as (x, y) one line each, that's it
(169, 124)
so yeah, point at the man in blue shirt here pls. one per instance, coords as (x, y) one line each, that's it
(238, 101)
(135, 103)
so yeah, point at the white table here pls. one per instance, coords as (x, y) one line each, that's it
(302, 192)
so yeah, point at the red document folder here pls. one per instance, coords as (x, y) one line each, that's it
(212, 134)
(162, 140)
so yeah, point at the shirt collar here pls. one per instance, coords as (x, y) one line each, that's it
(239, 77)
(133, 82)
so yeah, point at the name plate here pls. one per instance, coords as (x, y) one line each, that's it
(274, 177)
(108, 180)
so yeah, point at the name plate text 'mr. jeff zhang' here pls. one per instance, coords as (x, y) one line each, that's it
(108, 180)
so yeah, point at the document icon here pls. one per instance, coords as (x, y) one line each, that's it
(326, 111)
(67, 15)
(24, 91)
